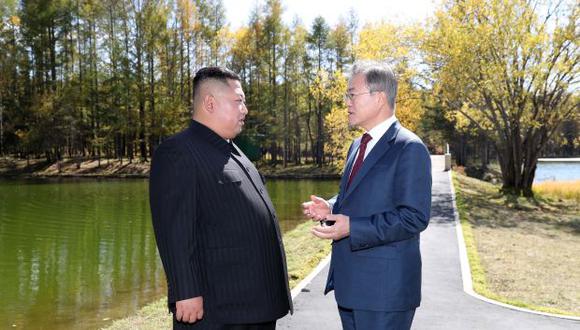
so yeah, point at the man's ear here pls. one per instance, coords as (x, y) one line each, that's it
(383, 99)
(209, 103)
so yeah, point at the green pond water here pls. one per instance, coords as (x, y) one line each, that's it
(77, 254)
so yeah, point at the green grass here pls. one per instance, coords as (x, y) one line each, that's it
(303, 253)
(521, 251)
(477, 271)
(151, 317)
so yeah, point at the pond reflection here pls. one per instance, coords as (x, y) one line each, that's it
(80, 253)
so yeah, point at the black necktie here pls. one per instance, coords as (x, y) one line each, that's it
(233, 149)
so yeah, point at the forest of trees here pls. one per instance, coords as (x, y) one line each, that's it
(112, 78)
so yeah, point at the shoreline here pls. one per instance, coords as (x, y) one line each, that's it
(11, 168)
(29, 176)
(565, 160)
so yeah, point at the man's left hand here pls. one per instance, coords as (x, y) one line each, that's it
(339, 230)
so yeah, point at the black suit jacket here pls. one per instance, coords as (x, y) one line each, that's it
(216, 229)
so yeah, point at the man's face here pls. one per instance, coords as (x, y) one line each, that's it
(363, 108)
(230, 110)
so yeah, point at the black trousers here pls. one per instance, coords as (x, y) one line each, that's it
(208, 325)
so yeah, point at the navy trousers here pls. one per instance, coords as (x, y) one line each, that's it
(371, 320)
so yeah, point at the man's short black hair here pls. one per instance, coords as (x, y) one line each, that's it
(212, 72)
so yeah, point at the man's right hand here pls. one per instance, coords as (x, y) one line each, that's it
(189, 310)
(317, 209)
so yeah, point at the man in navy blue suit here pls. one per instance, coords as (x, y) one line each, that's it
(383, 204)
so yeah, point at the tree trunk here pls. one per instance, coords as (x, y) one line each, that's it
(152, 135)
(286, 130)
(141, 86)
(319, 135)
(309, 129)
(518, 168)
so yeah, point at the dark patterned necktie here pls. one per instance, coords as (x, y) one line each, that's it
(359, 159)
(233, 149)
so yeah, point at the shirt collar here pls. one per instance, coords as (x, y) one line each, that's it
(378, 131)
(206, 134)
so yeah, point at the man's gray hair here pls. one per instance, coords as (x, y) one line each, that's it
(379, 77)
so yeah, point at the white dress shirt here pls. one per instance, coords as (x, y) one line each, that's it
(377, 133)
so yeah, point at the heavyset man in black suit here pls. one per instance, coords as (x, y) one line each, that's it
(215, 225)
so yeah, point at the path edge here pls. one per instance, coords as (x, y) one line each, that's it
(302, 284)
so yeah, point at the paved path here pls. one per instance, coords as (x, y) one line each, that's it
(445, 305)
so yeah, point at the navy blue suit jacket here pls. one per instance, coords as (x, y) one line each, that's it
(378, 267)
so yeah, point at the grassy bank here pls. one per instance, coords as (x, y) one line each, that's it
(521, 251)
(121, 168)
(307, 171)
(303, 253)
(117, 168)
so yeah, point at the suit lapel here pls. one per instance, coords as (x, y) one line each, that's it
(378, 151)
(255, 178)
(349, 164)
(347, 168)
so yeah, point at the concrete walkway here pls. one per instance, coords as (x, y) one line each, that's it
(445, 305)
